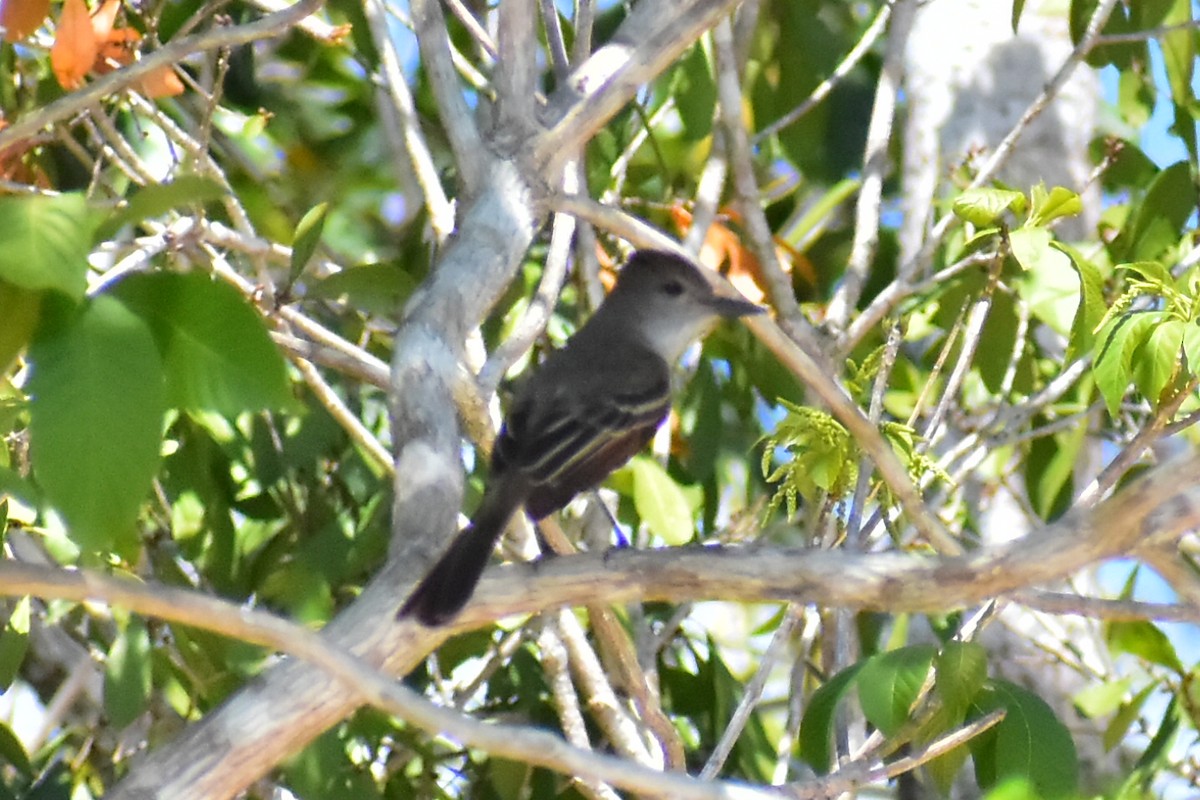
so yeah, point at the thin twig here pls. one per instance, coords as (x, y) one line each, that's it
(458, 122)
(751, 694)
(441, 210)
(556, 665)
(173, 52)
(1106, 609)
(875, 164)
(737, 142)
(844, 67)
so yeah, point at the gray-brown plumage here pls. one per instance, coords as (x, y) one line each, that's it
(585, 411)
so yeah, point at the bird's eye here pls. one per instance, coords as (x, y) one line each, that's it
(673, 288)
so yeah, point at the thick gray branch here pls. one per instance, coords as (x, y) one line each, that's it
(273, 718)
(1157, 507)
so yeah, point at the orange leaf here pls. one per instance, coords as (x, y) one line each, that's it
(19, 18)
(608, 268)
(723, 251)
(162, 82)
(74, 49)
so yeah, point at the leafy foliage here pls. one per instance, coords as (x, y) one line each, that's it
(200, 284)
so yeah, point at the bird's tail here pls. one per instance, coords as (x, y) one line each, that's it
(447, 587)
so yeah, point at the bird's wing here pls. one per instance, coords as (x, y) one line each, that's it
(567, 435)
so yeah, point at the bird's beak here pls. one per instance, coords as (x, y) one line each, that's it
(729, 307)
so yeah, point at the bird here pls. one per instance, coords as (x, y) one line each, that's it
(585, 411)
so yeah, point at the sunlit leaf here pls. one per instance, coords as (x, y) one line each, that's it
(216, 352)
(20, 309)
(1116, 343)
(661, 503)
(46, 242)
(96, 407)
(1048, 206)
(1102, 698)
(1091, 308)
(985, 206)
(1156, 362)
(1144, 640)
(889, 683)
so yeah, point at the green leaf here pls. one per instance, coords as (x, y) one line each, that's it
(1017, 7)
(1144, 640)
(1091, 308)
(661, 503)
(813, 215)
(1099, 699)
(1191, 346)
(1157, 360)
(985, 206)
(1049, 206)
(1049, 284)
(1153, 272)
(370, 288)
(1028, 246)
(127, 674)
(14, 641)
(216, 351)
(696, 94)
(816, 727)
(1159, 219)
(1115, 345)
(1130, 166)
(960, 671)
(1137, 96)
(96, 408)
(889, 683)
(156, 200)
(1122, 54)
(1050, 471)
(1160, 744)
(1013, 788)
(12, 752)
(46, 242)
(308, 236)
(944, 769)
(1000, 333)
(1030, 742)
(20, 310)
(1179, 51)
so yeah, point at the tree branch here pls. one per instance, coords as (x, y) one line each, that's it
(649, 39)
(169, 54)
(1154, 506)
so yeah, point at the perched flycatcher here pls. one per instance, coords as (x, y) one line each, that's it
(586, 411)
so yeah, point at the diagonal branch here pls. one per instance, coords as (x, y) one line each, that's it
(650, 38)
